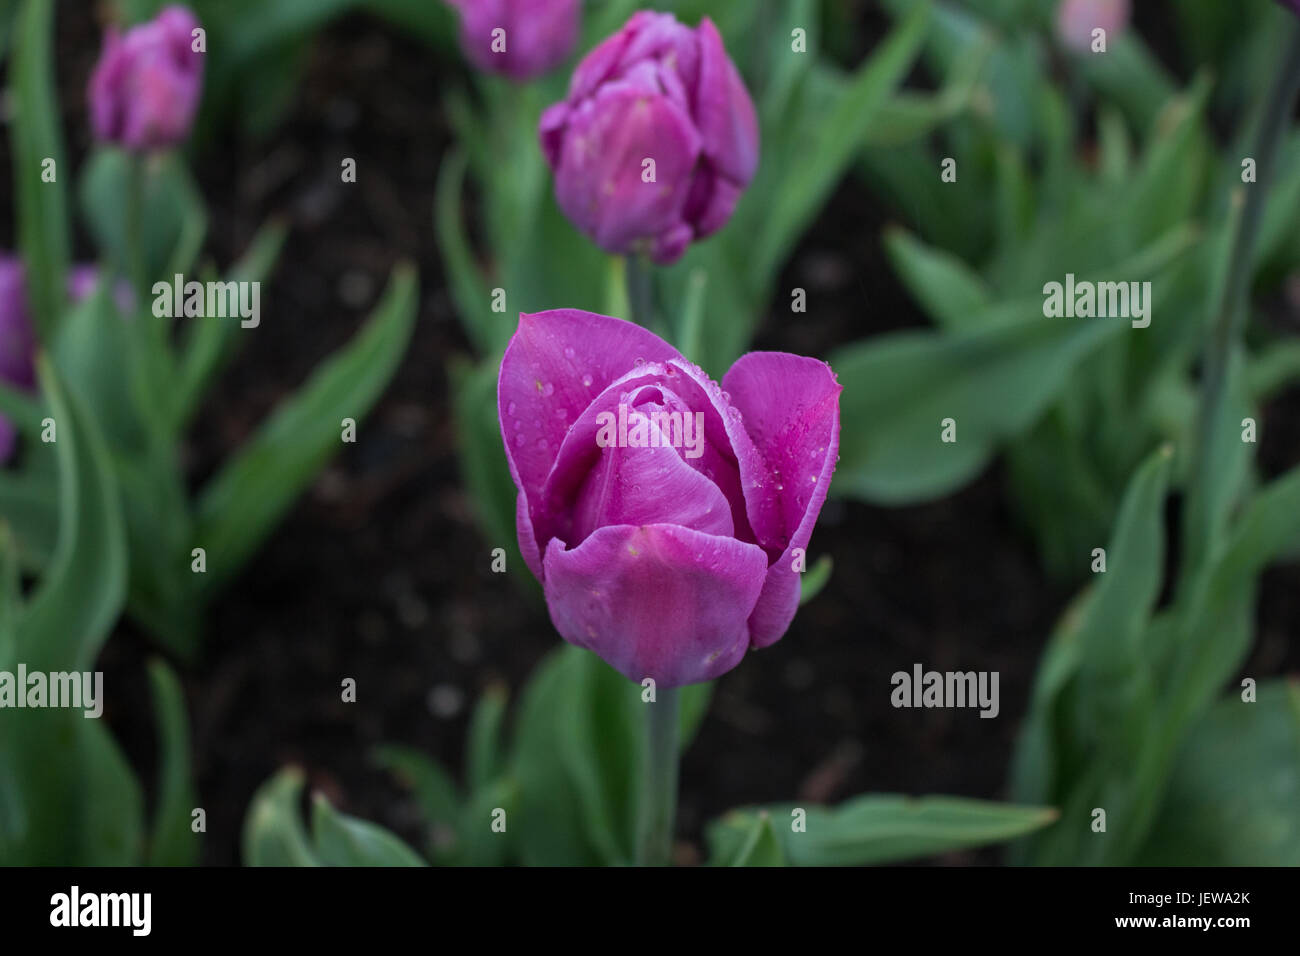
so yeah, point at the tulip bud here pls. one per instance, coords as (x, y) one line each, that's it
(145, 88)
(17, 342)
(1076, 19)
(519, 38)
(656, 140)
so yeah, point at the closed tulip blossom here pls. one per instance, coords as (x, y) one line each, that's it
(666, 516)
(145, 88)
(656, 141)
(17, 342)
(519, 38)
(1076, 19)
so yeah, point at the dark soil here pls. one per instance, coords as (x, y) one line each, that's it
(380, 573)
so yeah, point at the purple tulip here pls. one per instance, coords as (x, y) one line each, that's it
(655, 90)
(535, 35)
(17, 342)
(145, 88)
(1076, 19)
(660, 511)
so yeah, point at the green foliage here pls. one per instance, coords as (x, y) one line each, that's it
(874, 828)
(566, 792)
(274, 833)
(1123, 682)
(67, 795)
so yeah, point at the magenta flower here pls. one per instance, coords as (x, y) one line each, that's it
(520, 38)
(17, 342)
(1076, 19)
(662, 512)
(145, 88)
(654, 91)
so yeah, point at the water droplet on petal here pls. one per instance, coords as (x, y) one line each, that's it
(586, 381)
(519, 439)
(542, 444)
(568, 351)
(510, 409)
(638, 361)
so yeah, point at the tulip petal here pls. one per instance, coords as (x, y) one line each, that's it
(649, 486)
(713, 199)
(792, 410)
(656, 601)
(550, 132)
(601, 63)
(743, 474)
(601, 180)
(725, 114)
(557, 362)
(632, 485)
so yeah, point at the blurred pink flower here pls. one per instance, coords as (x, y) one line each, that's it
(1076, 19)
(655, 90)
(145, 88)
(537, 35)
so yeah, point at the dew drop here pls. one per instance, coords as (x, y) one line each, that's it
(568, 351)
(548, 390)
(586, 381)
(519, 439)
(638, 361)
(543, 444)
(510, 409)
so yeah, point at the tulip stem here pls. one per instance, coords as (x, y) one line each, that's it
(640, 291)
(134, 266)
(659, 780)
(1231, 307)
